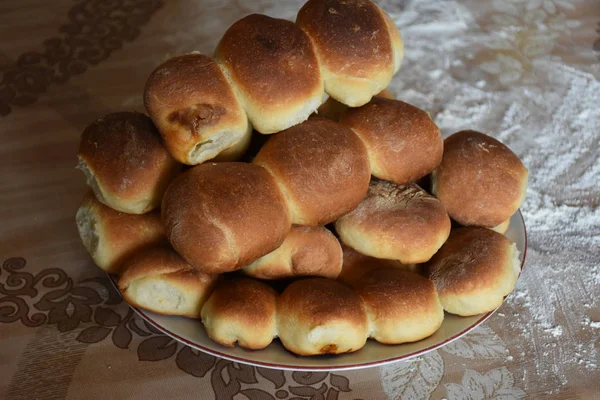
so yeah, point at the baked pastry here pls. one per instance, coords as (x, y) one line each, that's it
(222, 216)
(333, 109)
(355, 265)
(306, 251)
(480, 181)
(241, 311)
(125, 162)
(321, 316)
(274, 69)
(403, 142)
(474, 270)
(321, 167)
(111, 237)
(402, 306)
(159, 280)
(196, 110)
(397, 222)
(358, 46)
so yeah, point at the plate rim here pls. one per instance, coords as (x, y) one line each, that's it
(484, 317)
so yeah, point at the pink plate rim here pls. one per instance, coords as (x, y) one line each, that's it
(215, 353)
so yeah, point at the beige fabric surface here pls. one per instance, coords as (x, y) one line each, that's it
(525, 72)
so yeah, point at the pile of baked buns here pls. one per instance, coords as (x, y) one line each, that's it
(241, 176)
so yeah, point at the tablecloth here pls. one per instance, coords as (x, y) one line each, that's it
(525, 72)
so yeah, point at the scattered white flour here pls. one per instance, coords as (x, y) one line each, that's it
(554, 126)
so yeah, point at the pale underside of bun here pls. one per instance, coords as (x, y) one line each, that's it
(333, 109)
(353, 92)
(159, 280)
(159, 295)
(111, 237)
(237, 150)
(225, 145)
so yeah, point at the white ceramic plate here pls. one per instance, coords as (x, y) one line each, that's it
(191, 332)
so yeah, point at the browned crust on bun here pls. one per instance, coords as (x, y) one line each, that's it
(321, 167)
(197, 112)
(241, 311)
(403, 306)
(272, 64)
(222, 216)
(403, 142)
(480, 181)
(474, 270)
(357, 53)
(306, 251)
(125, 162)
(397, 222)
(321, 316)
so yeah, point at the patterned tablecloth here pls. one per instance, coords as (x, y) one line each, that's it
(525, 72)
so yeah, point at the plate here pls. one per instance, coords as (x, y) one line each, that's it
(191, 332)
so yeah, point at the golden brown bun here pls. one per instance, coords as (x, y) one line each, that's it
(502, 227)
(125, 162)
(159, 280)
(358, 47)
(355, 265)
(306, 251)
(402, 306)
(274, 69)
(222, 216)
(111, 237)
(403, 143)
(321, 316)
(321, 167)
(480, 181)
(396, 222)
(474, 270)
(242, 311)
(333, 109)
(196, 110)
